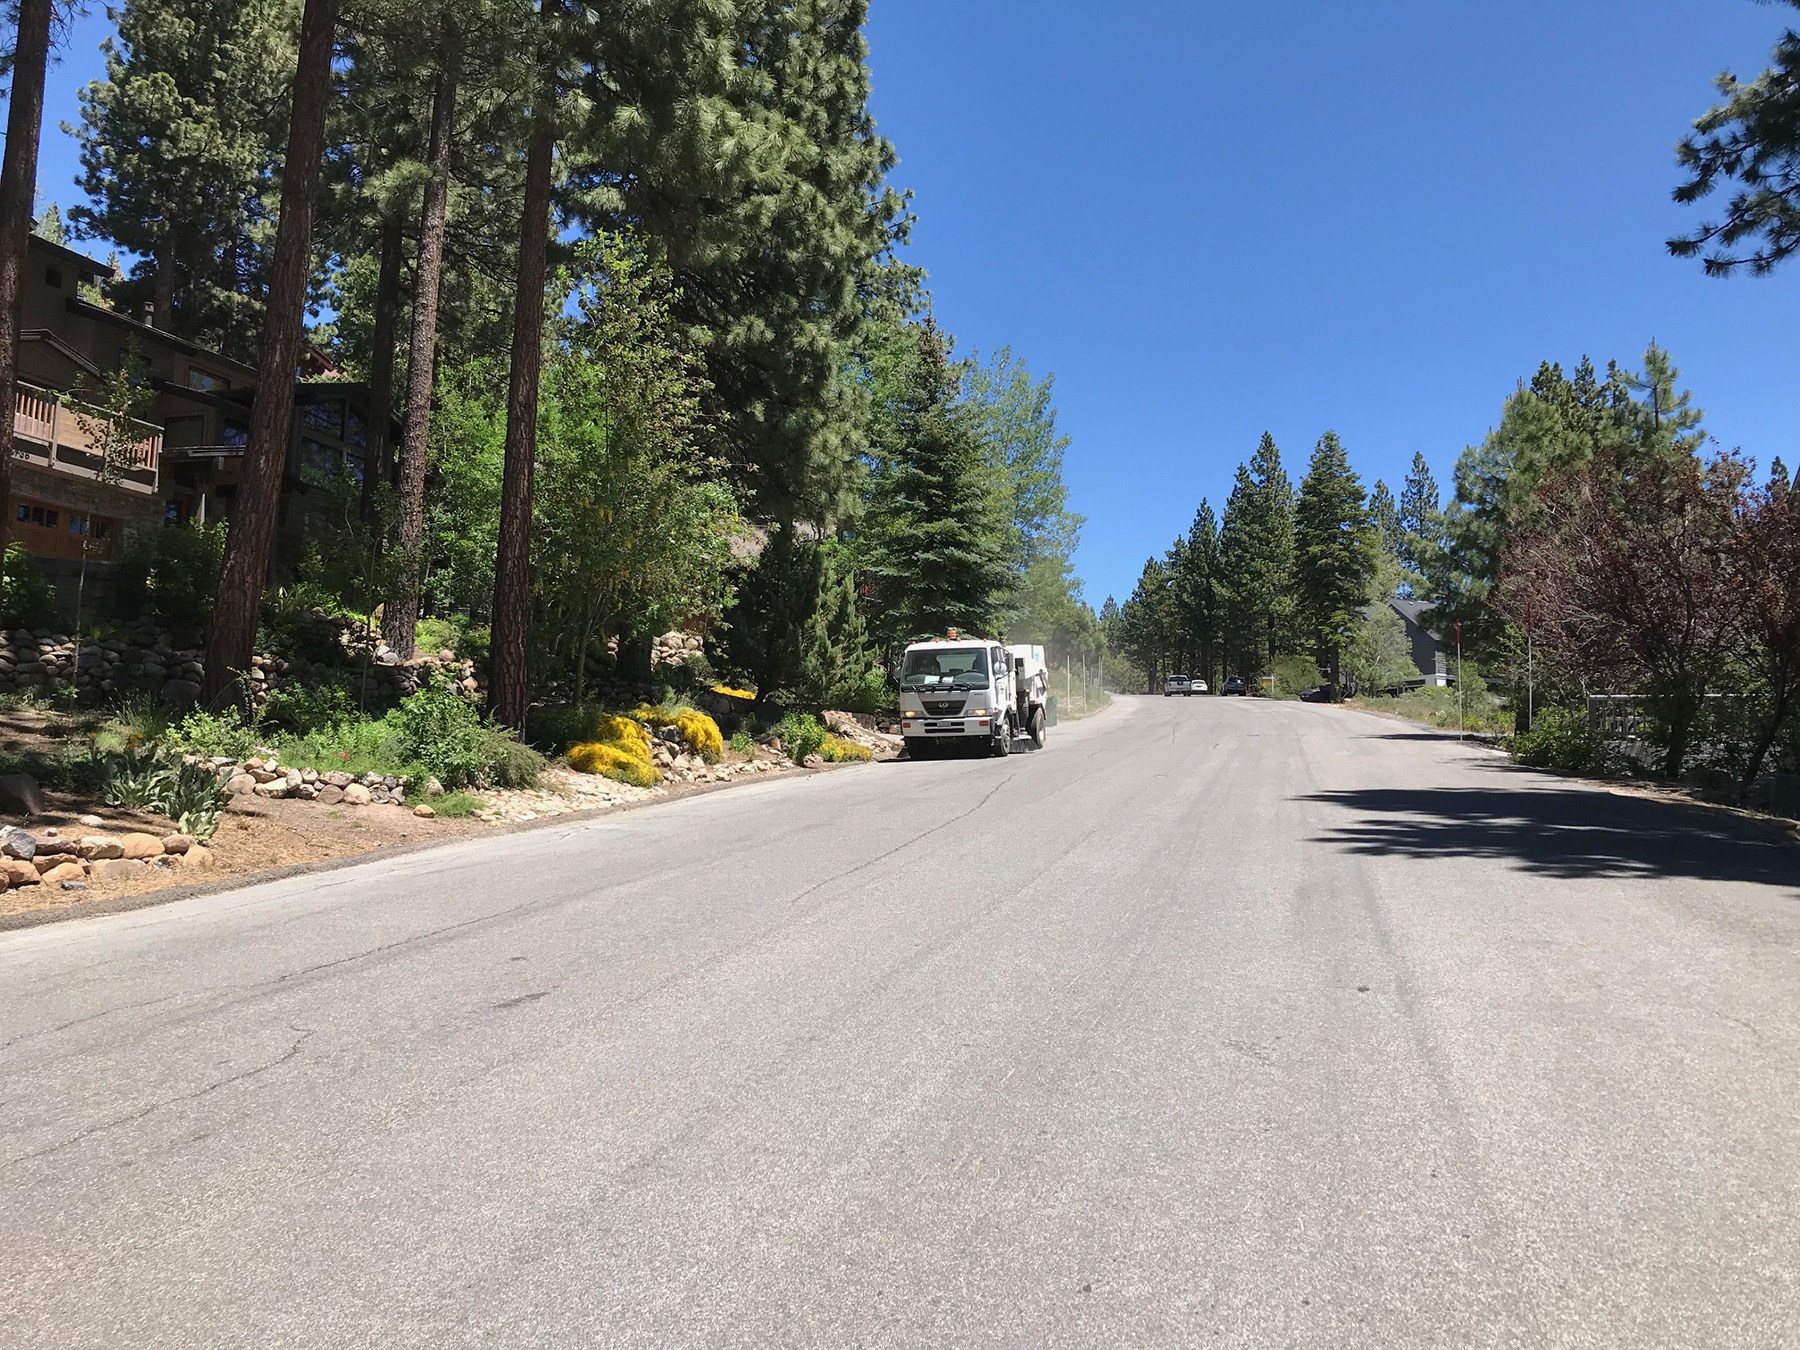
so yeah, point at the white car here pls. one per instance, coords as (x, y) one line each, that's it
(1177, 684)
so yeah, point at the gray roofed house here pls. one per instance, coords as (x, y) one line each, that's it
(1430, 651)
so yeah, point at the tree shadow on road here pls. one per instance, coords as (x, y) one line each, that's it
(1566, 831)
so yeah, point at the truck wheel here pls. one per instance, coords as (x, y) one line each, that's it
(1003, 738)
(1038, 735)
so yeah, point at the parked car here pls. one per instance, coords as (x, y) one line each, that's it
(1197, 686)
(1233, 685)
(1322, 694)
(1177, 684)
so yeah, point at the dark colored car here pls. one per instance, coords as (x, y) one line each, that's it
(1323, 694)
(1233, 685)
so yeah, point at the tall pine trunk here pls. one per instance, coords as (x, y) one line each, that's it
(400, 615)
(512, 566)
(259, 495)
(18, 189)
(381, 365)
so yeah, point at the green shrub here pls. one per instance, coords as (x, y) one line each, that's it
(222, 733)
(154, 777)
(510, 764)
(472, 644)
(1294, 675)
(442, 733)
(743, 745)
(308, 707)
(173, 572)
(800, 735)
(436, 635)
(1559, 739)
(195, 800)
(456, 805)
(28, 601)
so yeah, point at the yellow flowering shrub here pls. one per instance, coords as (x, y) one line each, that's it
(701, 735)
(621, 763)
(837, 750)
(612, 730)
(729, 692)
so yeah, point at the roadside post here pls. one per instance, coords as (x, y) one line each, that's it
(1462, 711)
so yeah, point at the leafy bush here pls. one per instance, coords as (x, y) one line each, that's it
(154, 777)
(1559, 739)
(173, 572)
(436, 635)
(312, 707)
(618, 762)
(1294, 675)
(456, 805)
(29, 601)
(800, 735)
(223, 733)
(441, 733)
(742, 745)
(836, 750)
(510, 764)
(701, 735)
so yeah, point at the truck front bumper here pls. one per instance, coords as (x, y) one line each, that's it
(945, 728)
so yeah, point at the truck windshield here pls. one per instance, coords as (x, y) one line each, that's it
(941, 667)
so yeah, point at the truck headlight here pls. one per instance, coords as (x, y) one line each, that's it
(976, 712)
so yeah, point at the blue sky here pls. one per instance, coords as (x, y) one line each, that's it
(1213, 219)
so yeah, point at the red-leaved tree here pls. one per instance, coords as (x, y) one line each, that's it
(1629, 575)
(1766, 563)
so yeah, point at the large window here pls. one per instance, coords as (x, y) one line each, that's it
(206, 380)
(234, 433)
(319, 463)
(182, 432)
(325, 418)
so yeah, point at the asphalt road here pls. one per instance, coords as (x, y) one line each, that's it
(1219, 1023)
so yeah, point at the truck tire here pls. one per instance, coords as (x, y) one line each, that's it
(1038, 733)
(1003, 738)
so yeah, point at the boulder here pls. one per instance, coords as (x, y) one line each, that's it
(177, 843)
(241, 784)
(1784, 795)
(74, 884)
(181, 693)
(276, 788)
(18, 873)
(17, 843)
(330, 795)
(68, 871)
(100, 846)
(433, 788)
(118, 869)
(357, 795)
(140, 845)
(20, 795)
(340, 780)
(91, 821)
(424, 813)
(198, 857)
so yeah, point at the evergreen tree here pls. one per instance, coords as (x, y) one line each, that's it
(50, 225)
(1778, 475)
(253, 513)
(1384, 511)
(1666, 422)
(1333, 551)
(1256, 545)
(1421, 519)
(180, 145)
(1753, 136)
(838, 666)
(933, 555)
(1199, 591)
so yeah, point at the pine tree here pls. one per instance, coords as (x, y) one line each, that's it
(1778, 475)
(933, 553)
(1333, 550)
(1421, 520)
(1750, 136)
(1198, 592)
(253, 516)
(180, 146)
(25, 61)
(1385, 513)
(50, 225)
(1256, 544)
(1666, 422)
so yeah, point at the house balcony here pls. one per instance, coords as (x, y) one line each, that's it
(48, 431)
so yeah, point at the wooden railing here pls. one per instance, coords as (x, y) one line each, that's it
(53, 420)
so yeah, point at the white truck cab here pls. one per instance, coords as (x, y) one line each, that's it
(973, 692)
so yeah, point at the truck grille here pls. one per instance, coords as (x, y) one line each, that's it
(942, 707)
